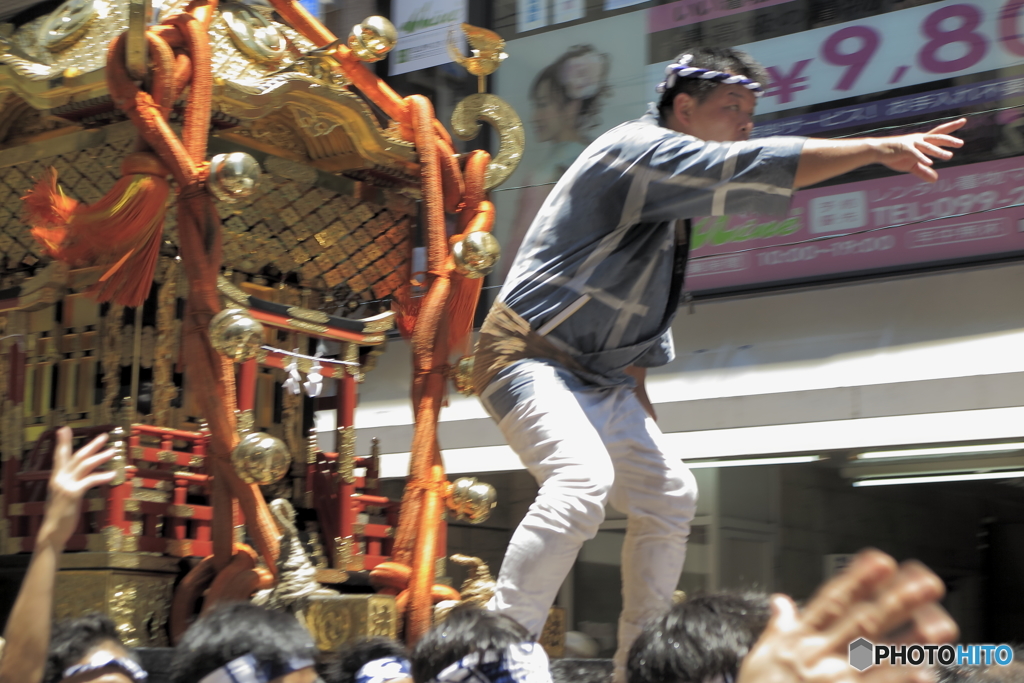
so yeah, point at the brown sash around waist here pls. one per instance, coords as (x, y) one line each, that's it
(505, 338)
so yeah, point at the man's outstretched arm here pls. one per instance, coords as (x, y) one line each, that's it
(824, 159)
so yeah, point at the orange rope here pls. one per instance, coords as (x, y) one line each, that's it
(444, 321)
(200, 244)
(440, 322)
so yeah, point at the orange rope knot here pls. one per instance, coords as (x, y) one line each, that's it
(121, 232)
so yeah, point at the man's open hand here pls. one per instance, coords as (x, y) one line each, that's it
(872, 599)
(73, 475)
(913, 153)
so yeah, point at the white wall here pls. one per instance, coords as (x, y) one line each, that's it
(853, 360)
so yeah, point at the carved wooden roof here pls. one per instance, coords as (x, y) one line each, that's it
(334, 203)
(271, 91)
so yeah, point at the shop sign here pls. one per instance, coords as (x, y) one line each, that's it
(870, 226)
(423, 30)
(568, 10)
(531, 15)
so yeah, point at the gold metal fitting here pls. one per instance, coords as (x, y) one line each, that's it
(260, 458)
(472, 500)
(476, 254)
(462, 376)
(233, 176)
(69, 22)
(373, 39)
(251, 32)
(236, 334)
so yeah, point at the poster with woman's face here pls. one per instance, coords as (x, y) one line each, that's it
(569, 86)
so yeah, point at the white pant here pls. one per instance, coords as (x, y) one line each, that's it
(586, 446)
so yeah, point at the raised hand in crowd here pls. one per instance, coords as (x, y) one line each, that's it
(874, 599)
(28, 626)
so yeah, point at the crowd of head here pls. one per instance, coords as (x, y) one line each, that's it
(713, 638)
(725, 637)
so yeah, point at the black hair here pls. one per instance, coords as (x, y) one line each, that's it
(351, 657)
(72, 639)
(230, 631)
(554, 75)
(467, 629)
(715, 59)
(701, 638)
(1010, 673)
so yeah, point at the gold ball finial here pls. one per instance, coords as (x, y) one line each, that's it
(236, 334)
(476, 254)
(373, 39)
(472, 500)
(261, 459)
(233, 176)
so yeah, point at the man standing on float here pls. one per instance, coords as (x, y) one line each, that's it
(587, 307)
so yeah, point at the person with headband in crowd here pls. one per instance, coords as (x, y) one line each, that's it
(587, 308)
(374, 659)
(245, 643)
(89, 648)
(473, 645)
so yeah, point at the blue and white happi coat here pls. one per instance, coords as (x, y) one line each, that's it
(594, 271)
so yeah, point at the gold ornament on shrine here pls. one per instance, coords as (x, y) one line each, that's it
(236, 334)
(488, 54)
(63, 27)
(463, 375)
(253, 34)
(233, 176)
(472, 500)
(261, 459)
(476, 254)
(373, 39)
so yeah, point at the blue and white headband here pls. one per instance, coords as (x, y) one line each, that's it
(682, 69)
(383, 670)
(521, 663)
(102, 659)
(246, 669)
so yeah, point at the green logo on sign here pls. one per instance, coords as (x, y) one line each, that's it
(716, 231)
(425, 18)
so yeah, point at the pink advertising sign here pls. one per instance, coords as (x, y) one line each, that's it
(686, 12)
(737, 251)
(934, 41)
